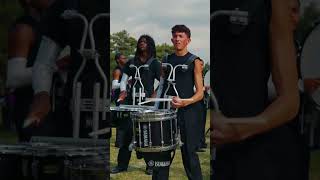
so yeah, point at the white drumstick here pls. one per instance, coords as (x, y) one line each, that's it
(148, 100)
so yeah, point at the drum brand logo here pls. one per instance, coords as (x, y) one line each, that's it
(159, 163)
(145, 135)
(151, 163)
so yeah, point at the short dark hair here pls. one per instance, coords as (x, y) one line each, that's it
(117, 56)
(181, 28)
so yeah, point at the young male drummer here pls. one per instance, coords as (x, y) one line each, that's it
(187, 102)
(145, 54)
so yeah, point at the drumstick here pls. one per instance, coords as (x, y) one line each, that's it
(148, 100)
(159, 99)
(99, 132)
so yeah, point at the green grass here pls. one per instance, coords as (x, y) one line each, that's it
(137, 166)
(315, 165)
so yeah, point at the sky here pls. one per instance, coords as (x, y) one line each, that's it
(156, 17)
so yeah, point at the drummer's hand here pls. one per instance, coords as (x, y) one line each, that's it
(40, 108)
(177, 102)
(223, 132)
(154, 94)
(122, 96)
(64, 62)
(310, 85)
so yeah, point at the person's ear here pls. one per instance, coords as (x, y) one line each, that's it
(172, 40)
(189, 40)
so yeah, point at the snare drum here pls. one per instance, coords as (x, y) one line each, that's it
(155, 130)
(124, 111)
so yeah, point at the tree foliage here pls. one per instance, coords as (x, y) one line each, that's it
(124, 43)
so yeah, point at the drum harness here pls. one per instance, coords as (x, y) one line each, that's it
(138, 81)
(96, 104)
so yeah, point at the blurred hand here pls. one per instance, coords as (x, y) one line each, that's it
(64, 62)
(310, 85)
(177, 102)
(223, 132)
(122, 96)
(40, 108)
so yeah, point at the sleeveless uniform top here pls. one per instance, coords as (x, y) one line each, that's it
(184, 78)
(240, 55)
(189, 117)
(147, 74)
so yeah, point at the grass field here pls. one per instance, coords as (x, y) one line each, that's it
(137, 166)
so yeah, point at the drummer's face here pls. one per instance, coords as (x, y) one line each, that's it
(142, 44)
(122, 60)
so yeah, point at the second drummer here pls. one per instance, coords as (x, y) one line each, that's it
(121, 60)
(145, 54)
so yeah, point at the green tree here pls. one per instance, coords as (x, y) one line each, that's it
(121, 42)
(206, 68)
(163, 49)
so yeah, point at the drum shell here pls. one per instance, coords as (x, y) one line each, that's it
(154, 128)
(155, 131)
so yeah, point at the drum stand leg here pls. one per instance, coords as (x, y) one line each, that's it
(133, 142)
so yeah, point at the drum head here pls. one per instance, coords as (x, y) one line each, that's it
(310, 59)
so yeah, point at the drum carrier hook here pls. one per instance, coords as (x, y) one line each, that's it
(96, 104)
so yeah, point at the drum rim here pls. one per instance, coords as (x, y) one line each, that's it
(130, 108)
(157, 148)
(154, 119)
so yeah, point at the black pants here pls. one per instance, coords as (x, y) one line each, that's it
(124, 138)
(203, 126)
(276, 155)
(188, 119)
